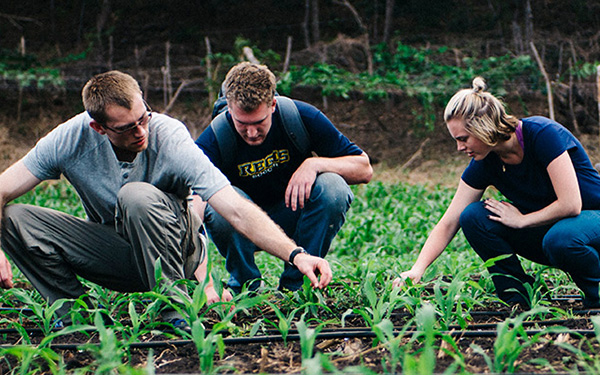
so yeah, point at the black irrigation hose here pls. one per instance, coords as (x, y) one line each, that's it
(295, 337)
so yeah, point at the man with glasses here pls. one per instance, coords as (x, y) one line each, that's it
(131, 167)
(305, 191)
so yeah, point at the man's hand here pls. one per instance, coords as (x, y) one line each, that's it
(400, 281)
(312, 266)
(213, 297)
(6, 274)
(300, 185)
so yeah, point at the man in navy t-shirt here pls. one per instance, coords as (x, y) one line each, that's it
(306, 194)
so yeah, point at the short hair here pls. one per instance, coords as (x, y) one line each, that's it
(484, 115)
(249, 85)
(109, 88)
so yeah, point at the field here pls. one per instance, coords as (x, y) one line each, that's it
(449, 323)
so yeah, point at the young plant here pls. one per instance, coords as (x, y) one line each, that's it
(422, 361)
(384, 330)
(44, 316)
(511, 340)
(284, 323)
(380, 305)
(308, 337)
(109, 352)
(207, 343)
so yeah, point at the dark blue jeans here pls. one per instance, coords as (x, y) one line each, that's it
(570, 244)
(313, 228)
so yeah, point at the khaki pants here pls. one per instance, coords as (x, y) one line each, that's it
(52, 248)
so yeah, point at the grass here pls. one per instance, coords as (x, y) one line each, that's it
(385, 228)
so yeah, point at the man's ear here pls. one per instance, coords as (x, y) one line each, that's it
(274, 104)
(97, 127)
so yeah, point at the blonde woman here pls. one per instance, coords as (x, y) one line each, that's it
(552, 212)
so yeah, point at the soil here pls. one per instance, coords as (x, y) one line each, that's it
(173, 354)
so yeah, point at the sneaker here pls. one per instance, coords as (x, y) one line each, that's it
(181, 324)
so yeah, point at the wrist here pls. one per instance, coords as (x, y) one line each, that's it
(294, 253)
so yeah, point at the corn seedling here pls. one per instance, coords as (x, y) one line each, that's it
(207, 343)
(392, 341)
(43, 316)
(379, 306)
(109, 352)
(307, 338)
(511, 340)
(32, 360)
(423, 360)
(284, 322)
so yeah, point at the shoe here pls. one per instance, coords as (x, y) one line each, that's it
(179, 324)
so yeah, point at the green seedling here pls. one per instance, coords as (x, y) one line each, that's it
(308, 337)
(380, 306)
(43, 316)
(207, 343)
(284, 322)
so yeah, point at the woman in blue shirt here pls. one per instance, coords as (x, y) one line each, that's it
(552, 212)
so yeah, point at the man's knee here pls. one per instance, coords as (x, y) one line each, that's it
(332, 190)
(136, 197)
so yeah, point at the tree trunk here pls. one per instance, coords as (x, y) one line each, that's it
(365, 31)
(316, 31)
(387, 25)
(528, 22)
(100, 24)
(305, 23)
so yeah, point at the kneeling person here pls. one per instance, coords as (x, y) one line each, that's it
(305, 191)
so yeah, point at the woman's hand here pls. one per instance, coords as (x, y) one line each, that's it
(505, 213)
(413, 275)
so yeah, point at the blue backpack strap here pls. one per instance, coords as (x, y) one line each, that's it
(226, 139)
(293, 125)
(220, 104)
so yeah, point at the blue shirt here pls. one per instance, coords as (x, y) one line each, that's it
(263, 171)
(527, 184)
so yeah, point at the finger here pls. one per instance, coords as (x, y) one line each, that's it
(398, 282)
(288, 195)
(294, 198)
(326, 275)
(495, 218)
(307, 191)
(301, 196)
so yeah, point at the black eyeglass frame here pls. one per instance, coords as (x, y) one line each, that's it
(128, 127)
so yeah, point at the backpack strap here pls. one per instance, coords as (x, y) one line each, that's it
(226, 139)
(293, 125)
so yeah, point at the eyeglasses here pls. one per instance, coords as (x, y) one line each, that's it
(141, 122)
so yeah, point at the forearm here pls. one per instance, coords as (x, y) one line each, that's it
(252, 222)
(355, 169)
(436, 243)
(255, 224)
(550, 214)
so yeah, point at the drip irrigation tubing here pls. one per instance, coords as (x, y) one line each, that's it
(295, 337)
(270, 331)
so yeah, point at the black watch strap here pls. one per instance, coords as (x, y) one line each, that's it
(293, 254)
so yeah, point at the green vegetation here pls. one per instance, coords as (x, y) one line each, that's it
(422, 73)
(385, 229)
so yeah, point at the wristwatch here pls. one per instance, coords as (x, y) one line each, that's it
(296, 251)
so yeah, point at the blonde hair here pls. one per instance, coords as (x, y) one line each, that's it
(484, 115)
(249, 85)
(109, 88)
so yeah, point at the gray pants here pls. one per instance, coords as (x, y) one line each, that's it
(52, 248)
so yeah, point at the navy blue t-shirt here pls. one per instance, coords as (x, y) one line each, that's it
(527, 185)
(263, 171)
